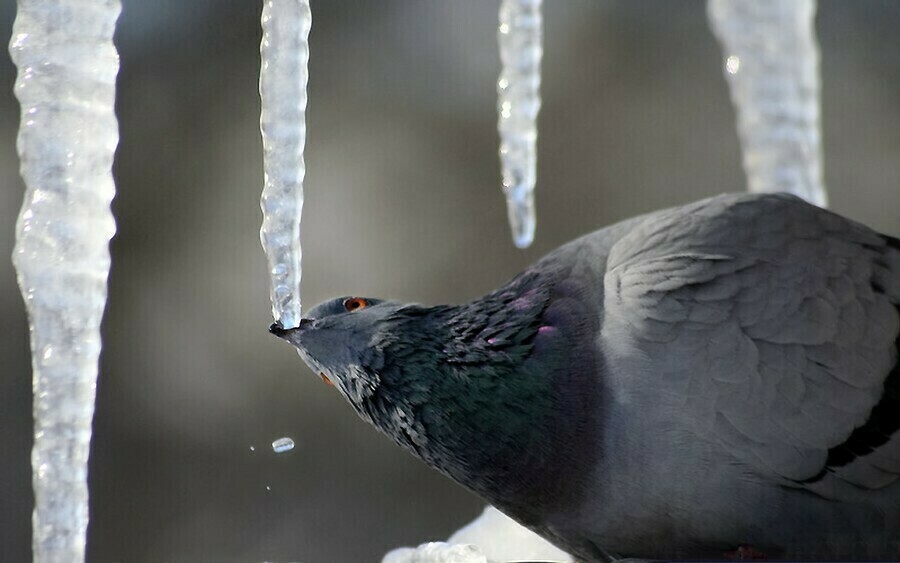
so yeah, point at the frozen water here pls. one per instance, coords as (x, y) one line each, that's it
(283, 77)
(501, 538)
(67, 66)
(497, 538)
(520, 36)
(282, 445)
(772, 68)
(436, 552)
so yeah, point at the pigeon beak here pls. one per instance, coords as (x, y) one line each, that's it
(278, 330)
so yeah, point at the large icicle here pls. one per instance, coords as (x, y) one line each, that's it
(282, 86)
(772, 66)
(520, 35)
(67, 68)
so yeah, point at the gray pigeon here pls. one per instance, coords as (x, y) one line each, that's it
(715, 378)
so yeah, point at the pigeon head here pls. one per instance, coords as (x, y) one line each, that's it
(335, 340)
(488, 392)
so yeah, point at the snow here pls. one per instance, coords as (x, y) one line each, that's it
(436, 552)
(772, 68)
(67, 66)
(493, 536)
(283, 76)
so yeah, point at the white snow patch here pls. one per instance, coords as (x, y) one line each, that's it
(436, 552)
(493, 537)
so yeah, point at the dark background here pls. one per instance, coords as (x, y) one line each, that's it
(402, 201)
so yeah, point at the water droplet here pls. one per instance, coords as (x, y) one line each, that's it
(282, 445)
(733, 64)
(252, 448)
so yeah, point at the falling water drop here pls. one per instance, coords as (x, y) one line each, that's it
(282, 445)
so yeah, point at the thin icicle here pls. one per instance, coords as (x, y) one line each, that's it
(520, 35)
(282, 86)
(67, 66)
(772, 67)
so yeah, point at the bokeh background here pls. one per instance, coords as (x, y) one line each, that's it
(403, 201)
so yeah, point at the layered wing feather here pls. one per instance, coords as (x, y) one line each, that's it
(768, 325)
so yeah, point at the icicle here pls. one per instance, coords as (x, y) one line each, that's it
(518, 102)
(282, 86)
(772, 66)
(67, 68)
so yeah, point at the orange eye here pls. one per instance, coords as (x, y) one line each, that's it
(355, 303)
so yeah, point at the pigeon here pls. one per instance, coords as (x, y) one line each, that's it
(713, 380)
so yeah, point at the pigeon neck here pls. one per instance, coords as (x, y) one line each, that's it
(501, 395)
(522, 445)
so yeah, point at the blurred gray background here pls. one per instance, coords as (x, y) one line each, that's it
(402, 201)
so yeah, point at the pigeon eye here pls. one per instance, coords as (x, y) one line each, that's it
(355, 303)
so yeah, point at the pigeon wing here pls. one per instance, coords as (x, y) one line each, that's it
(768, 325)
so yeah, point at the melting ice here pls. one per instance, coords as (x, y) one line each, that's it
(772, 67)
(283, 76)
(67, 66)
(520, 36)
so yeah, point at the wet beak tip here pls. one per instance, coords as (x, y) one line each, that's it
(278, 330)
